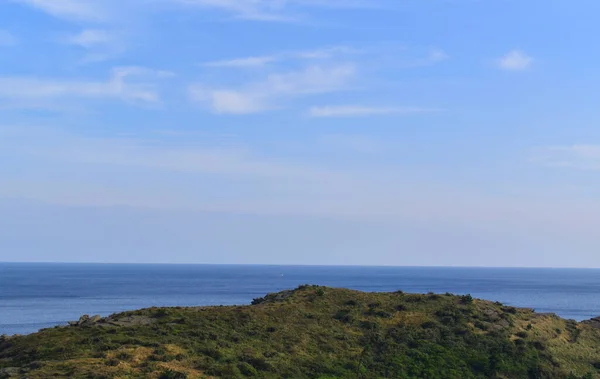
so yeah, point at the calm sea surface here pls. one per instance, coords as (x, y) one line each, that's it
(34, 296)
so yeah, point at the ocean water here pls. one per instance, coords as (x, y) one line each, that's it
(35, 296)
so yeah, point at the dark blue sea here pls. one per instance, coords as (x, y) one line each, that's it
(35, 296)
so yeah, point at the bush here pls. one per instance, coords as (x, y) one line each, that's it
(428, 325)
(466, 299)
(247, 369)
(258, 300)
(172, 374)
(124, 356)
(343, 315)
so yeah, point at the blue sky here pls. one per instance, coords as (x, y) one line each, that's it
(443, 132)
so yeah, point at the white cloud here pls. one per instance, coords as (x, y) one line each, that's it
(90, 37)
(243, 62)
(258, 10)
(99, 44)
(361, 111)
(437, 55)
(123, 84)
(88, 10)
(273, 10)
(230, 101)
(267, 94)
(260, 61)
(7, 39)
(515, 60)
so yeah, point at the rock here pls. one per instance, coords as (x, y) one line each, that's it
(95, 319)
(547, 314)
(83, 319)
(503, 323)
(86, 320)
(492, 314)
(126, 321)
(594, 323)
(274, 297)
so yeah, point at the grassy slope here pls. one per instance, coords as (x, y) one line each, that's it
(315, 332)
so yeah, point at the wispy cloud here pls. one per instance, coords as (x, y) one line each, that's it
(583, 157)
(88, 10)
(274, 10)
(125, 83)
(90, 37)
(515, 60)
(362, 111)
(260, 61)
(7, 39)
(243, 62)
(99, 44)
(434, 56)
(264, 95)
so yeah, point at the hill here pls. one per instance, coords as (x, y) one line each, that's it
(314, 332)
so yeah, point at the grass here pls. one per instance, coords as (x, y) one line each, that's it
(316, 332)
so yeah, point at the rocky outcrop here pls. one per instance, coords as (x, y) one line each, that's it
(594, 323)
(86, 320)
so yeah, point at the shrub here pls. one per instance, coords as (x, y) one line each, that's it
(172, 374)
(247, 369)
(466, 299)
(368, 325)
(258, 300)
(414, 299)
(160, 313)
(343, 315)
(123, 355)
(428, 325)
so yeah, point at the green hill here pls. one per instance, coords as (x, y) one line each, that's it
(314, 332)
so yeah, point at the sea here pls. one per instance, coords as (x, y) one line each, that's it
(36, 296)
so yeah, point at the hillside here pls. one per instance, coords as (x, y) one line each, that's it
(314, 332)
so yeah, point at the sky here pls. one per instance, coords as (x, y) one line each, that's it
(321, 132)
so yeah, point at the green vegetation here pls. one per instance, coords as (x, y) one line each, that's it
(314, 332)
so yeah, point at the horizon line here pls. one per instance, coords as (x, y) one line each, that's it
(300, 265)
